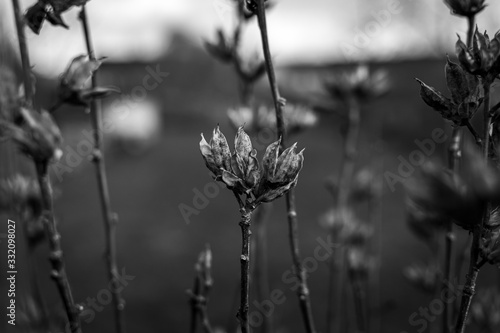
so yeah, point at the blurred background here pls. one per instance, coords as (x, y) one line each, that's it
(154, 164)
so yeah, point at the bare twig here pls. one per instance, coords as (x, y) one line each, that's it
(245, 223)
(58, 273)
(303, 290)
(56, 254)
(473, 272)
(110, 218)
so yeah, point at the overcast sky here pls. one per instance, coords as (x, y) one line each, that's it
(301, 31)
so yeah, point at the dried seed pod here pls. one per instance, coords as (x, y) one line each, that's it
(465, 8)
(51, 11)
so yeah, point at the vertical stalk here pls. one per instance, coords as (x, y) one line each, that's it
(245, 270)
(110, 218)
(58, 273)
(23, 50)
(303, 290)
(56, 254)
(345, 181)
(454, 155)
(474, 266)
(359, 301)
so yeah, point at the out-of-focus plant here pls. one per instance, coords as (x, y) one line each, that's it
(203, 283)
(351, 90)
(469, 202)
(252, 185)
(260, 121)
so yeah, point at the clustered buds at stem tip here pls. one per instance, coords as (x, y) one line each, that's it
(240, 170)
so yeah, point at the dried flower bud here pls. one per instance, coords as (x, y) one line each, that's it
(51, 11)
(279, 172)
(436, 100)
(240, 170)
(425, 277)
(465, 8)
(37, 136)
(482, 58)
(74, 87)
(461, 84)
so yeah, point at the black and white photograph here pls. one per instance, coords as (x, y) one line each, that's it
(249, 166)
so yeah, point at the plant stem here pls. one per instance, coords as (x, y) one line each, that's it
(110, 218)
(345, 180)
(454, 155)
(23, 50)
(473, 272)
(303, 290)
(245, 269)
(58, 273)
(359, 301)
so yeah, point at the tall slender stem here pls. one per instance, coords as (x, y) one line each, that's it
(110, 218)
(303, 290)
(56, 254)
(58, 273)
(245, 270)
(359, 301)
(454, 155)
(474, 266)
(23, 50)
(345, 180)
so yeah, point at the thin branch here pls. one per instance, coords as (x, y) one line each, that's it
(476, 135)
(303, 290)
(56, 254)
(454, 155)
(110, 218)
(245, 270)
(473, 272)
